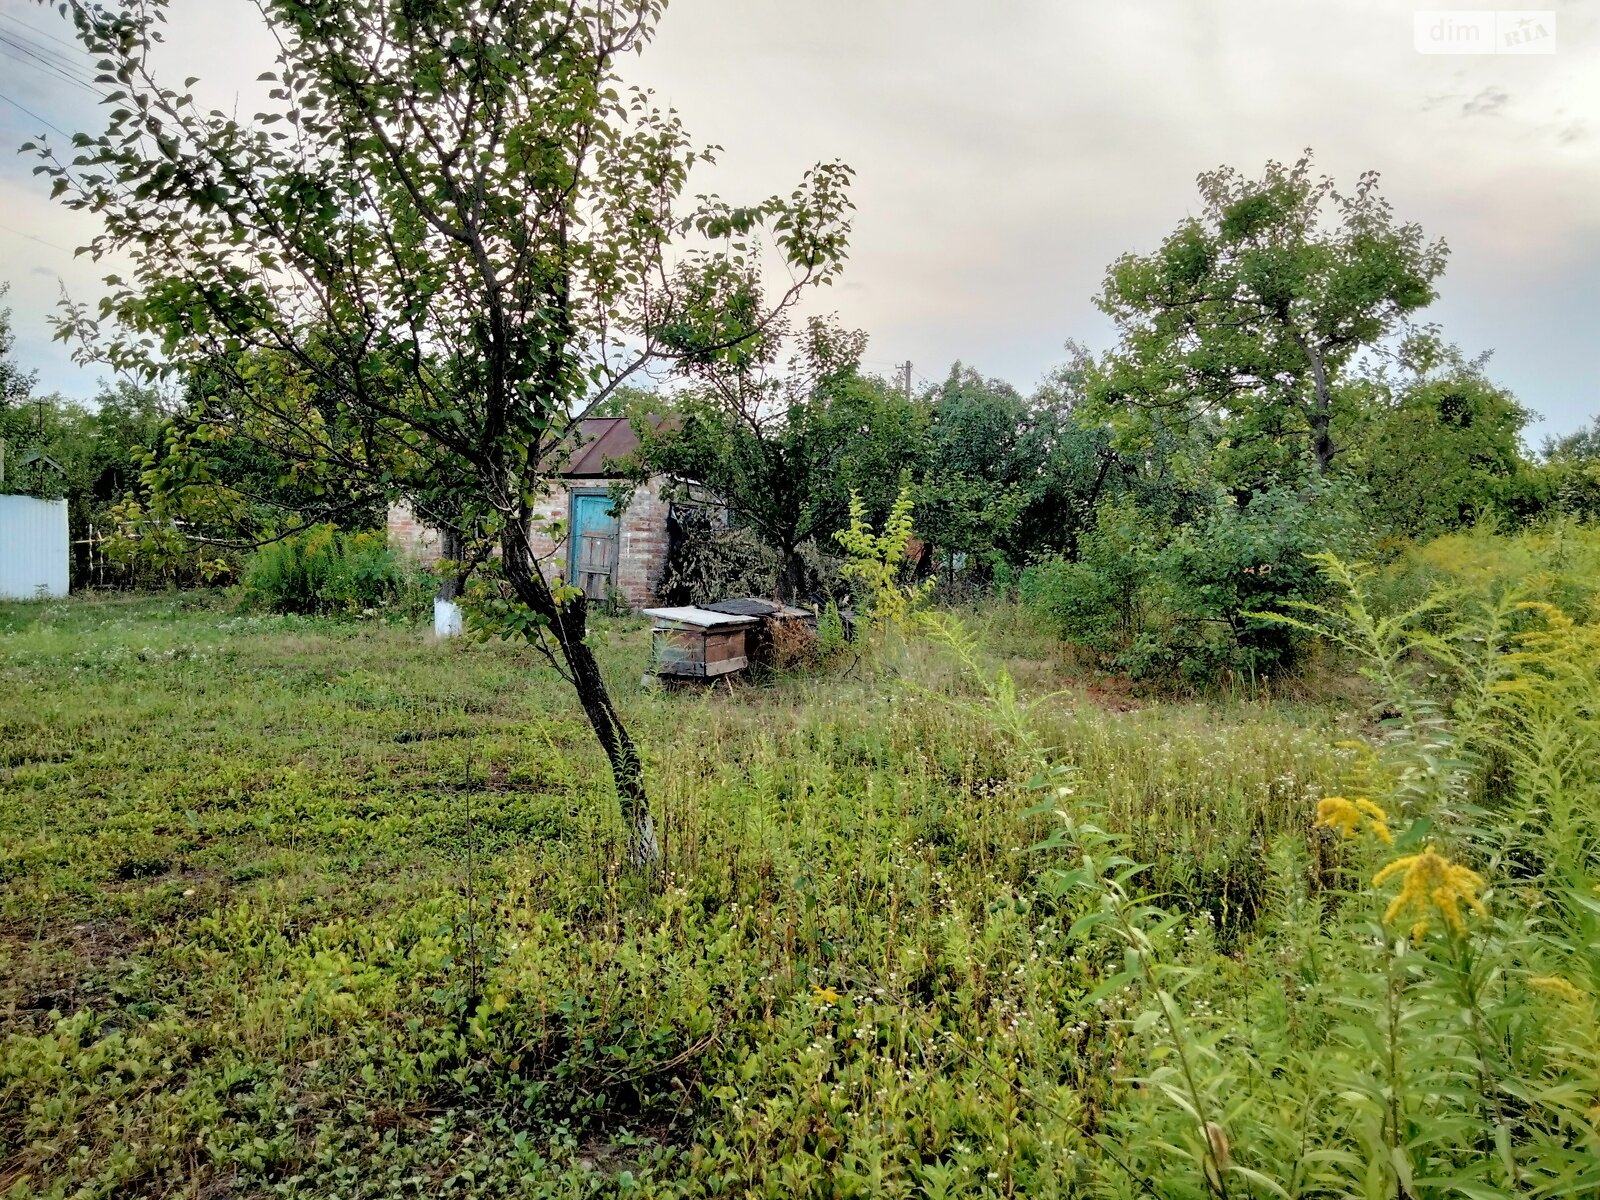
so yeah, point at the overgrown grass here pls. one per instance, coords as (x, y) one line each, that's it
(297, 908)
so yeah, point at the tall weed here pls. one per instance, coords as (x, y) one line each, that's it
(1424, 1026)
(324, 571)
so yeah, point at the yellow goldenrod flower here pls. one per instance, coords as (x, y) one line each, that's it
(1431, 881)
(1347, 816)
(1377, 821)
(824, 995)
(1558, 986)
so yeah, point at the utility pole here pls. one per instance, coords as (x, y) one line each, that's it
(905, 372)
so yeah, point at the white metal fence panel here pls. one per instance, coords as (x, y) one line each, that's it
(33, 548)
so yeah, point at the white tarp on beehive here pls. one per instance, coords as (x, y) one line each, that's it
(33, 548)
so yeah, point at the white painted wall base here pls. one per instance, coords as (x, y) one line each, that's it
(447, 621)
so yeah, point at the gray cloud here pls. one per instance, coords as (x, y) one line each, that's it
(1490, 100)
(1007, 151)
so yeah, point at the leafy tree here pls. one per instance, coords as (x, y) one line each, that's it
(101, 448)
(1440, 446)
(1010, 478)
(24, 467)
(974, 486)
(1569, 477)
(1246, 320)
(453, 231)
(15, 383)
(247, 489)
(784, 449)
(1582, 445)
(90, 455)
(1071, 466)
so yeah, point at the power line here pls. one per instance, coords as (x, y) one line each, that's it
(12, 50)
(73, 63)
(29, 112)
(37, 32)
(31, 238)
(60, 76)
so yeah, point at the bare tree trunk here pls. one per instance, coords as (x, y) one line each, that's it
(568, 625)
(791, 576)
(450, 548)
(1322, 446)
(1107, 457)
(1321, 415)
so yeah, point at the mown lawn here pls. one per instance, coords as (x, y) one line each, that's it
(299, 908)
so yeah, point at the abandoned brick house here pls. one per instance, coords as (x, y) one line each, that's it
(611, 558)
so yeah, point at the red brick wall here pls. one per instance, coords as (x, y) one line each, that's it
(641, 537)
(411, 537)
(642, 554)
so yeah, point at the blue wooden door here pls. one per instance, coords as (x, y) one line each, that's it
(594, 545)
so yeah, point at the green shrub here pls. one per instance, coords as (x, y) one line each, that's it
(142, 551)
(1243, 560)
(1179, 605)
(831, 632)
(1100, 601)
(1556, 562)
(324, 571)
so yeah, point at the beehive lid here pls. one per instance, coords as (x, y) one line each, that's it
(751, 606)
(699, 618)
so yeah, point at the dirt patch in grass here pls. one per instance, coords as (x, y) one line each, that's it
(613, 1152)
(59, 966)
(1114, 693)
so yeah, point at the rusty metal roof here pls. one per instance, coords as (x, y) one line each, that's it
(599, 442)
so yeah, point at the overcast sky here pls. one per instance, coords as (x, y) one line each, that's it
(1007, 150)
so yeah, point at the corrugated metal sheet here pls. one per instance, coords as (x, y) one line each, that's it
(699, 618)
(599, 445)
(33, 548)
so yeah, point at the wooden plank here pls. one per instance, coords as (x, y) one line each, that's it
(694, 670)
(728, 667)
(674, 652)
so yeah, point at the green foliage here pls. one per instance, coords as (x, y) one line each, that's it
(971, 495)
(323, 571)
(1177, 604)
(1243, 325)
(1244, 559)
(1418, 1035)
(785, 450)
(147, 551)
(1440, 449)
(877, 563)
(831, 632)
(1006, 479)
(1569, 478)
(1556, 561)
(95, 456)
(1100, 600)
(15, 383)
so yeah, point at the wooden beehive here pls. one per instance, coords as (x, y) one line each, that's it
(697, 643)
(777, 623)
